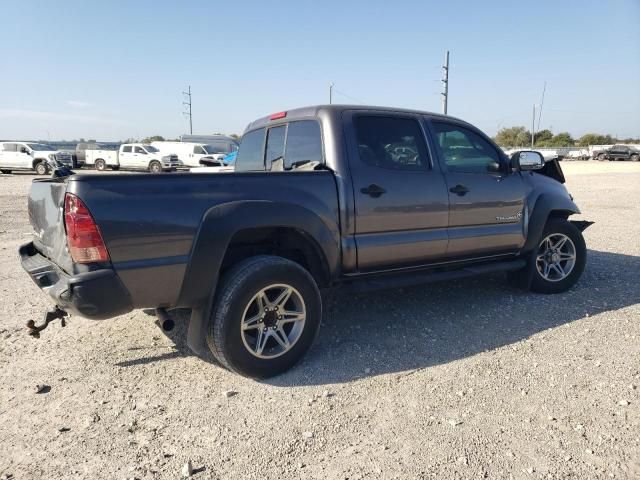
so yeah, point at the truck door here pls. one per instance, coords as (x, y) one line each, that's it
(125, 157)
(23, 156)
(9, 155)
(486, 200)
(401, 202)
(140, 157)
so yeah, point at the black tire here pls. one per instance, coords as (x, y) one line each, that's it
(5, 171)
(635, 157)
(41, 168)
(561, 226)
(602, 157)
(100, 165)
(155, 167)
(235, 294)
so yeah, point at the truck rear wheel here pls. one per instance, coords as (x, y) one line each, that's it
(266, 316)
(560, 259)
(100, 165)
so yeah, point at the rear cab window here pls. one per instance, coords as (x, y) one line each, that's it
(281, 147)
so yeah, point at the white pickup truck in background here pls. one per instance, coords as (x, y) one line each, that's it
(132, 156)
(16, 156)
(191, 153)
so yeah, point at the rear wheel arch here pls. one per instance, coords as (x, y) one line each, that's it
(287, 242)
(243, 226)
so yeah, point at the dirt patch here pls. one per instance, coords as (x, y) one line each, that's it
(468, 379)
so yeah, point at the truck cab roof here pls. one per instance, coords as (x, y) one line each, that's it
(315, 111)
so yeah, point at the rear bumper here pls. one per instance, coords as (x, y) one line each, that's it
(96, 295)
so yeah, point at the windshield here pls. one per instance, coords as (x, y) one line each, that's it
(40, 147)
(151, 149)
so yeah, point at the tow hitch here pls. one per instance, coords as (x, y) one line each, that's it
(50, 316)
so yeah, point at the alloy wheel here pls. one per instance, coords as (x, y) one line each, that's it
(556, 257)
(273, 321)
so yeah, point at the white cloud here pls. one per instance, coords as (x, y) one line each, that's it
(79, 104)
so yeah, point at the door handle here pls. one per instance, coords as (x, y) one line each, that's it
(459, 189)
(373, 190)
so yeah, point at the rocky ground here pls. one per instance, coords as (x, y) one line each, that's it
(467, 379)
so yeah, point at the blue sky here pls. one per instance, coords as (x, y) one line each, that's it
(116, 69)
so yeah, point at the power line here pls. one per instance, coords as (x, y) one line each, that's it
(188, 113)
(348, 96)
(544, 89)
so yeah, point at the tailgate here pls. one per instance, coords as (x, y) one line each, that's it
(46, 208)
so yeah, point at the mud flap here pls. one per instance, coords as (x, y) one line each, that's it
(196, 333)
(522, 278)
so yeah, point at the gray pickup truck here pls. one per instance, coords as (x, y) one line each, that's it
(349, 196)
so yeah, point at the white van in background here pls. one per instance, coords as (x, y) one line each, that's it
(191, 153)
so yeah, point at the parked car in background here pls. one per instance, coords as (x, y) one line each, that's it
(619, 152)
(80, 154)
(219, 145)
(317, 199)
(15, 156)
(133, 156)
(190, 154)
(582, 154)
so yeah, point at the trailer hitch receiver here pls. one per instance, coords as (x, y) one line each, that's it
(50, 316)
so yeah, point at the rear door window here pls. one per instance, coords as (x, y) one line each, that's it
(10, 147)
(126, 149)
(395, 143)
(250, 154)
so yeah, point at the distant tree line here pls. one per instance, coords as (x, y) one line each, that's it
(520, 136)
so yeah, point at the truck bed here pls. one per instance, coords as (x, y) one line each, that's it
(150, 223)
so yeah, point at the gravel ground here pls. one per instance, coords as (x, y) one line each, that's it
(466, 379)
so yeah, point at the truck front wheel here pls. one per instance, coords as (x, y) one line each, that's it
(155, 167)
(41, 168)
(266, 316)
(560, 258)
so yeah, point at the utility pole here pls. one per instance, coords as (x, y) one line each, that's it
(533, 125)
(445, 83)
(330, 93)
(188, 113)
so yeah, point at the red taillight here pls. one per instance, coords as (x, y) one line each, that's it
(83, 236)
(278, 115)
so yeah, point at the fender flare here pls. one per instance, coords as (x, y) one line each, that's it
(545, 205)
(222, 222)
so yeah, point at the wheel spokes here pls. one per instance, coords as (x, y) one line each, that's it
(289, 316)
(281, 337)
(283, 298)
(261, 340)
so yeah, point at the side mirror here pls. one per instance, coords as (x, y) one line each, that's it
(24, 150)
(527, 160)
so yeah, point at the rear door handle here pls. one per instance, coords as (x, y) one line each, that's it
(459, 189)
(373, 190)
